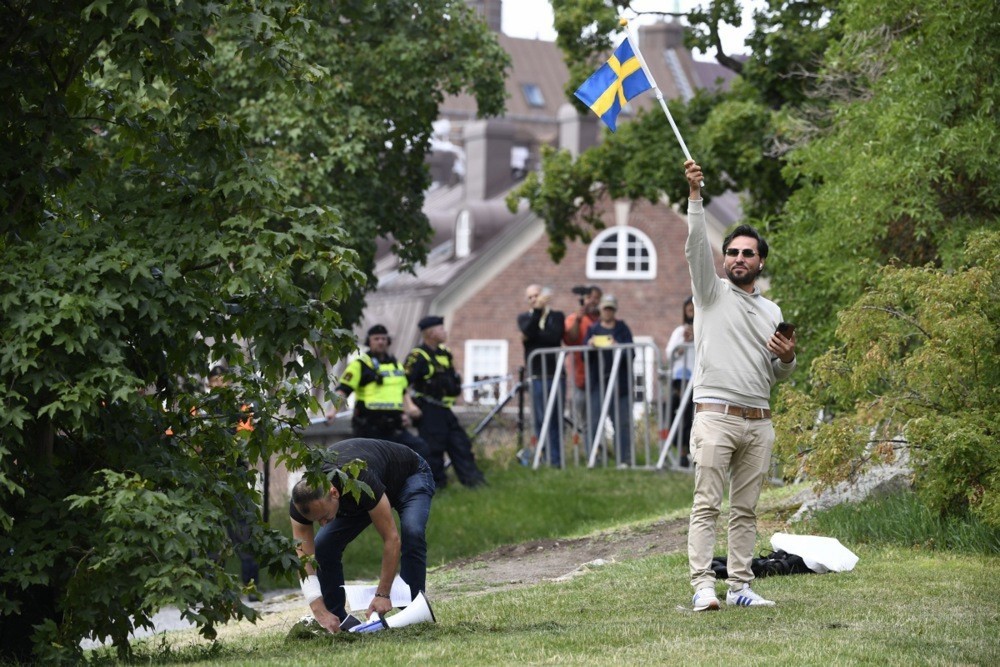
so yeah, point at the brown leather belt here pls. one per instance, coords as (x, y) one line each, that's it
(734, 410)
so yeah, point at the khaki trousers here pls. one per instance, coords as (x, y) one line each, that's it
(725, 446)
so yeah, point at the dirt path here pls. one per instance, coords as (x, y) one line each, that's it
(541, 560)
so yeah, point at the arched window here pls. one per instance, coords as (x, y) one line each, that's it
(621, 253)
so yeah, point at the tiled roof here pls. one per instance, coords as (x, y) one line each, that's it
(402, 298)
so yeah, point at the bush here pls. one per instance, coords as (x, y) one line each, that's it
(918, 368)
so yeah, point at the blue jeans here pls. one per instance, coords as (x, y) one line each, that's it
(413, 507)
(539, 399)
(620, 413)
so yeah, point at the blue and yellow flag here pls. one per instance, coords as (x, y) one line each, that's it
(615, 83)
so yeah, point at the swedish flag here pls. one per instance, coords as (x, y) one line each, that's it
(615, 83)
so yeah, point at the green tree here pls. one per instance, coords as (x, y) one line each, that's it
(742, 136)
(391, 64)
(863, 136)
(163, 207)
(900, 172)
(900, 164)
(917, 369)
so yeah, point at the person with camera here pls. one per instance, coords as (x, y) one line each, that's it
(741, 355)
(576, 326)
(435, 385)
(383, 407)
(541, 327)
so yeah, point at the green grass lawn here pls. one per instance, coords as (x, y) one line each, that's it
(898, 607)
(905, 603)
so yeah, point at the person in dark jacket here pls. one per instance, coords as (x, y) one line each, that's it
(435, 385)
(541, 327)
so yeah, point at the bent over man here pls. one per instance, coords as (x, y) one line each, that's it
(739, 356)
(402, 482)
(382, 407)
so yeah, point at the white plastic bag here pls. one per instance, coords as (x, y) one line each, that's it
(820, 554)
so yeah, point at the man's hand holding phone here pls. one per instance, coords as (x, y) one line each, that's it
(782, 342)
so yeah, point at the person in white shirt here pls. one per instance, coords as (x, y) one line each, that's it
(680, 356)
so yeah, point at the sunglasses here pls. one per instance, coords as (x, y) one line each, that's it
(735, 252)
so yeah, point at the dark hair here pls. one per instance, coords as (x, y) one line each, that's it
(217, 370)
(684, 307)
(746, 230)
(303, 494)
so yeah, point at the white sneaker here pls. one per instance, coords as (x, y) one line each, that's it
(745, 597)
(705, 600)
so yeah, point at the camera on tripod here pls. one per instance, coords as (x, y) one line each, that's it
(582, 291)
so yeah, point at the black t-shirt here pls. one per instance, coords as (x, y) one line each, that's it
(389, 466)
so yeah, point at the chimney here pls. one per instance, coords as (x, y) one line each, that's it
(490, 10)
(488, 147)
(576, 133)
(658, 37)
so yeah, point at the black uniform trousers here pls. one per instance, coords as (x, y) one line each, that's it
(439, 427)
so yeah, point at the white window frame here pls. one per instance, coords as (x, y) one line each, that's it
(622, 270)
(463, 234)
(476, 367)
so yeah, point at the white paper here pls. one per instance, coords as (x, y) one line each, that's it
(359, 597)
(820, 554)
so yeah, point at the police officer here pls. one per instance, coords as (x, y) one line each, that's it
(435, 384)
(383, 407)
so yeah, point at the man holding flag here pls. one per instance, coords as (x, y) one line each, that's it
(743, 349)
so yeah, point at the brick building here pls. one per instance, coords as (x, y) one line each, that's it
(483, 257)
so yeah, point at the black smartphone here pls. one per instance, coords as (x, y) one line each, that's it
(786, 329)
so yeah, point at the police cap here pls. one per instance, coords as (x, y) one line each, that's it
(430, 321)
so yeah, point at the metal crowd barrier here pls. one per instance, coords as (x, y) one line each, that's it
(590, 415)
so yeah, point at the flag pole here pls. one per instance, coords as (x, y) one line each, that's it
(659, 95)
